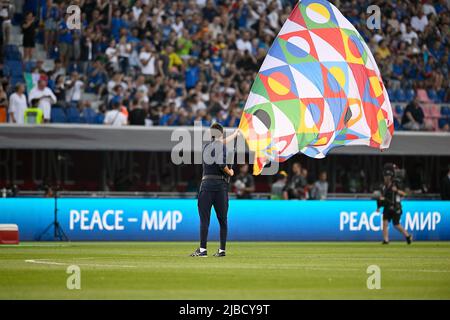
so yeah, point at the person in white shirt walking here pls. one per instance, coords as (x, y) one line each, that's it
(115, 117)
(17, 104)
(45, 96)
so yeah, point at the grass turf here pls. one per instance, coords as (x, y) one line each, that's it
(252, 270)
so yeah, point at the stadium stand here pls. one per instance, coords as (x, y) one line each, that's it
(88, 116)
(58, 115)
(196, 60)
(73, 115)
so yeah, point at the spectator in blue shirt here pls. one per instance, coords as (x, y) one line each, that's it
(216, 61)
(192, 74)
(65, 41)
(97, 78)
(116, 24)
(169, 117)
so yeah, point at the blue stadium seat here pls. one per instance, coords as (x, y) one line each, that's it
(54, 53)
(396, 124)
(445, 111)
(441, 95)
(442, 122)
(400, 95)
(12, 53)
(57, 115)
(51, 84)
(432, 94)
(410, 94)
(17, 19)
(99, 118)
(17, 68)
(88, 115)
(14, 80)
(73, 115)
(13, 68)
(391, 94)
(399, 109)
(29, 66)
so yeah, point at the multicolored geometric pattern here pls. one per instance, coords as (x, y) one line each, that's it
(318, 88)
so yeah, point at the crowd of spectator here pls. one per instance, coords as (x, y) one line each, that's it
(299, 185)
(412, 52)
(159, 62)
(296, 186)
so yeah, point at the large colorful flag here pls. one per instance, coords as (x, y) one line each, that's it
(318, 88)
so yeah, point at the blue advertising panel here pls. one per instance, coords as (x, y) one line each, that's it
(252, 220)
(32, 215)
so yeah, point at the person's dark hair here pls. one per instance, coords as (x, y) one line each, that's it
(34, 102)
(388, 169)
(216, 130)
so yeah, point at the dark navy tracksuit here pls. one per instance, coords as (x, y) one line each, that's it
(213, 191)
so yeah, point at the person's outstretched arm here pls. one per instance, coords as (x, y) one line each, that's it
(231, 137)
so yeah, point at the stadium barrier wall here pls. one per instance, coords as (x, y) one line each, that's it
(162, 138)
(249, 220)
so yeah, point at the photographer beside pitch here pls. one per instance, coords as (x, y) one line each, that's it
(390, 201)
(214, 188)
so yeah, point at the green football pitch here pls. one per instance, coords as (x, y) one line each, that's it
(252, 270)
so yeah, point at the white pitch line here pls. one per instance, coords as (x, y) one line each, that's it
(44, 261)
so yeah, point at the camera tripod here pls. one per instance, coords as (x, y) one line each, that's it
(58, 232)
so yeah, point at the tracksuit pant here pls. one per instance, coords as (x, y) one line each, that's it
(206, 200)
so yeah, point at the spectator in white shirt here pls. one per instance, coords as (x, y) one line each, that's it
(178, 25)
(393, 21)
(45, 96)
(117, 80)
(115, 117)
(124, 49)
(75, 88)
(215, 27)
(428, 8)
(243, 44)
(137, 10)
(198, 104)
(418, 23)
(113, 55)
(409, 34)
(140, 86)
(201, 3)
(273, 17)
(17, 104)
(253, 15)
(147, 60)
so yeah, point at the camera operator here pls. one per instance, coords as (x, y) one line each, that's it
(390, 201)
